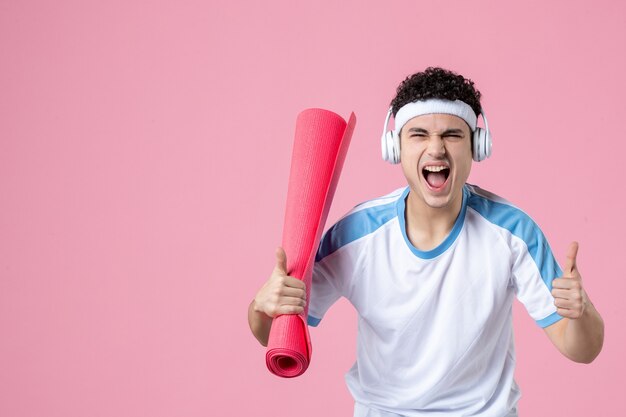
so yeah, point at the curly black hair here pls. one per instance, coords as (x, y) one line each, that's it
(435, 82)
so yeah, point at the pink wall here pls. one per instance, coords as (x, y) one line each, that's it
(144, 154)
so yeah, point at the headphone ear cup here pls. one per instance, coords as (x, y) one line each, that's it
(396, 147)
(390, 147)
(389, 142)
(488, 143)
(481, 144)
(476, 145)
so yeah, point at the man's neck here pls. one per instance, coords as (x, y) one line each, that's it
(427, 227)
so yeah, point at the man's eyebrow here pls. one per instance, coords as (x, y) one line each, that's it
(418, 130)
(452, 131)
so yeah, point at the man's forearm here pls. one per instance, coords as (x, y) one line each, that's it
(584, 336)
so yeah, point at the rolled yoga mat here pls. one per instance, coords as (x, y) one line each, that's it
(319, 150)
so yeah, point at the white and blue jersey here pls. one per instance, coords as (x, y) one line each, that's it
(435, 330)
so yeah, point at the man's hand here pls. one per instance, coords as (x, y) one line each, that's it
(569, 295)
(580, 335)
(281, 294)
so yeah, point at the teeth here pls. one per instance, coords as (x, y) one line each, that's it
(435, 168)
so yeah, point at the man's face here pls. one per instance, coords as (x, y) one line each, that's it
(436, 158)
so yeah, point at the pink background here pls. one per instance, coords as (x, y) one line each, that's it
(144, 155)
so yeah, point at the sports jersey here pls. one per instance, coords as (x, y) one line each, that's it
(435, 330)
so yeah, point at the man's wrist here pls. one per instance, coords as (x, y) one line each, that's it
(256, 308)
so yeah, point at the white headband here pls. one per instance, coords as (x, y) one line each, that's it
(434, 105)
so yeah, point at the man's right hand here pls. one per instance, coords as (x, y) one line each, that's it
(281, 294)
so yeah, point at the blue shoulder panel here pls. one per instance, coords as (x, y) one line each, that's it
(354, 226)
(521, 225)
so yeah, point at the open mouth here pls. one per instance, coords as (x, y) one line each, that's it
(436, 176)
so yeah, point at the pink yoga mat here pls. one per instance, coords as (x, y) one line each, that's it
(319, 149)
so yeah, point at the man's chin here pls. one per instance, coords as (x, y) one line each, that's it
(440, 202)
(438, 198)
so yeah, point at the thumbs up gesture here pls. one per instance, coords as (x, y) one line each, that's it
(569, 295)
(281, 293)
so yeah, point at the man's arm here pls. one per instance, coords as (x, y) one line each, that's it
(281, 294)
(580, 335)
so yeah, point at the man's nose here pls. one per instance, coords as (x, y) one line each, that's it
(436, 146)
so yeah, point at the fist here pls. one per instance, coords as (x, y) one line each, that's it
(569, 295)
(281, 294)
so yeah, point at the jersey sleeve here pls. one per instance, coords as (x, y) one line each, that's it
(534, 269)
(342, 253)
(333, 272)
(323, 294)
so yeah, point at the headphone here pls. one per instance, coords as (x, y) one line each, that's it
(390, 142)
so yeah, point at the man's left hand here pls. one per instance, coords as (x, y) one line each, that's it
(569, 295)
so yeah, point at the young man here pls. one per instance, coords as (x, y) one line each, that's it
(432, 270)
